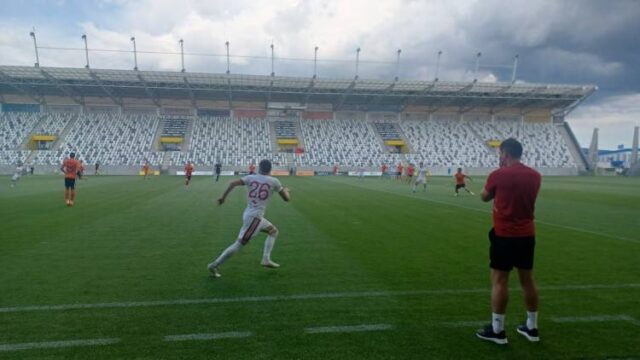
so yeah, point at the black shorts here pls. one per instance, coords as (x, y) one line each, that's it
(507, 253)
(460, 186)
(69, 183)
(79, 174)
(189, 177)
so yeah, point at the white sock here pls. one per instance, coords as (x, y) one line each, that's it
(532, 320)
(232, 249)
(497, 321)
(268, 246)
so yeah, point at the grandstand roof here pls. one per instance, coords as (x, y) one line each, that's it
(344, 94)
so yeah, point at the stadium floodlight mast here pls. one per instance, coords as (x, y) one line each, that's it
(398, 64)
(227, 45)
(515, 68)
(475, 72)
(35, 46)
(438, 65)
(357, 61)
(86, 49)
(272, 50)
(315, 62)
(135, 54)
(182, 54)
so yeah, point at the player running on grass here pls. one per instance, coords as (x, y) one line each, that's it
(260, 187)
(460, 183)
(423, 172)
(17, 174)
(188, 171)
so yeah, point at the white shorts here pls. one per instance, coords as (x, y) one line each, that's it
(15, 177)
(252, 226)
(420, 180)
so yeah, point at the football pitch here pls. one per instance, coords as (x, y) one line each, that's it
(369, 270)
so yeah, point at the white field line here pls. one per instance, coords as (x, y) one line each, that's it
(568, 319)
(213, 336)
(470, 323)
(57, 344)
(351, 328)
(621, 238)
(317, 296)
(596, 318)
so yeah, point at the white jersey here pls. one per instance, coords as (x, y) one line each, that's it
(18, 173)
(422, 173)
(259, 190)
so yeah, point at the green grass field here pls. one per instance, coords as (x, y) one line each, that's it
(127, 265)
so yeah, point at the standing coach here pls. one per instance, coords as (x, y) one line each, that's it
(513, 188)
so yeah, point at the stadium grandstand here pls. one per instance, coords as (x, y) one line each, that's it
(125, 118)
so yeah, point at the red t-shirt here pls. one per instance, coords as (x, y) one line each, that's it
(188, 170)
(410, 171)
(71, 167)
(459, 178)
(515, 189)
(384, 169)
(399, 168)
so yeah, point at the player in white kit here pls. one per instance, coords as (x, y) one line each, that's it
(17, 174)
(260, 187)
(422, 177)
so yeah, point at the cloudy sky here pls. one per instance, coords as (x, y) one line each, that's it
(569, 42)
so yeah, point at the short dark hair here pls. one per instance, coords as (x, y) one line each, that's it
(512, 147)
(459, 169)
(265, 166)
(72, 155)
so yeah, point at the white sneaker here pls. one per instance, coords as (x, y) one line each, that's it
(471, 192)
(269, 264)
(214, 270)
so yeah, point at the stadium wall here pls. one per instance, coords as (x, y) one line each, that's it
(134, 170)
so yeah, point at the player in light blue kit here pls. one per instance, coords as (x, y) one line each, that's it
(260, 187)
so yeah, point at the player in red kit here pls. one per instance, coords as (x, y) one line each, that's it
(188, 171)
(70, 167)
(399, 169)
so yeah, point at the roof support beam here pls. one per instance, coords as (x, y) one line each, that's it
(191, 94)
(229, 93)
(453, 97)
(569, 108)
(346, 93)
(23, 91)
(521, 100)
(269, 92)
(148, 91)
(104, 88)
(71, 94)
(312, 84)
(412, 100)
(386, 91)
